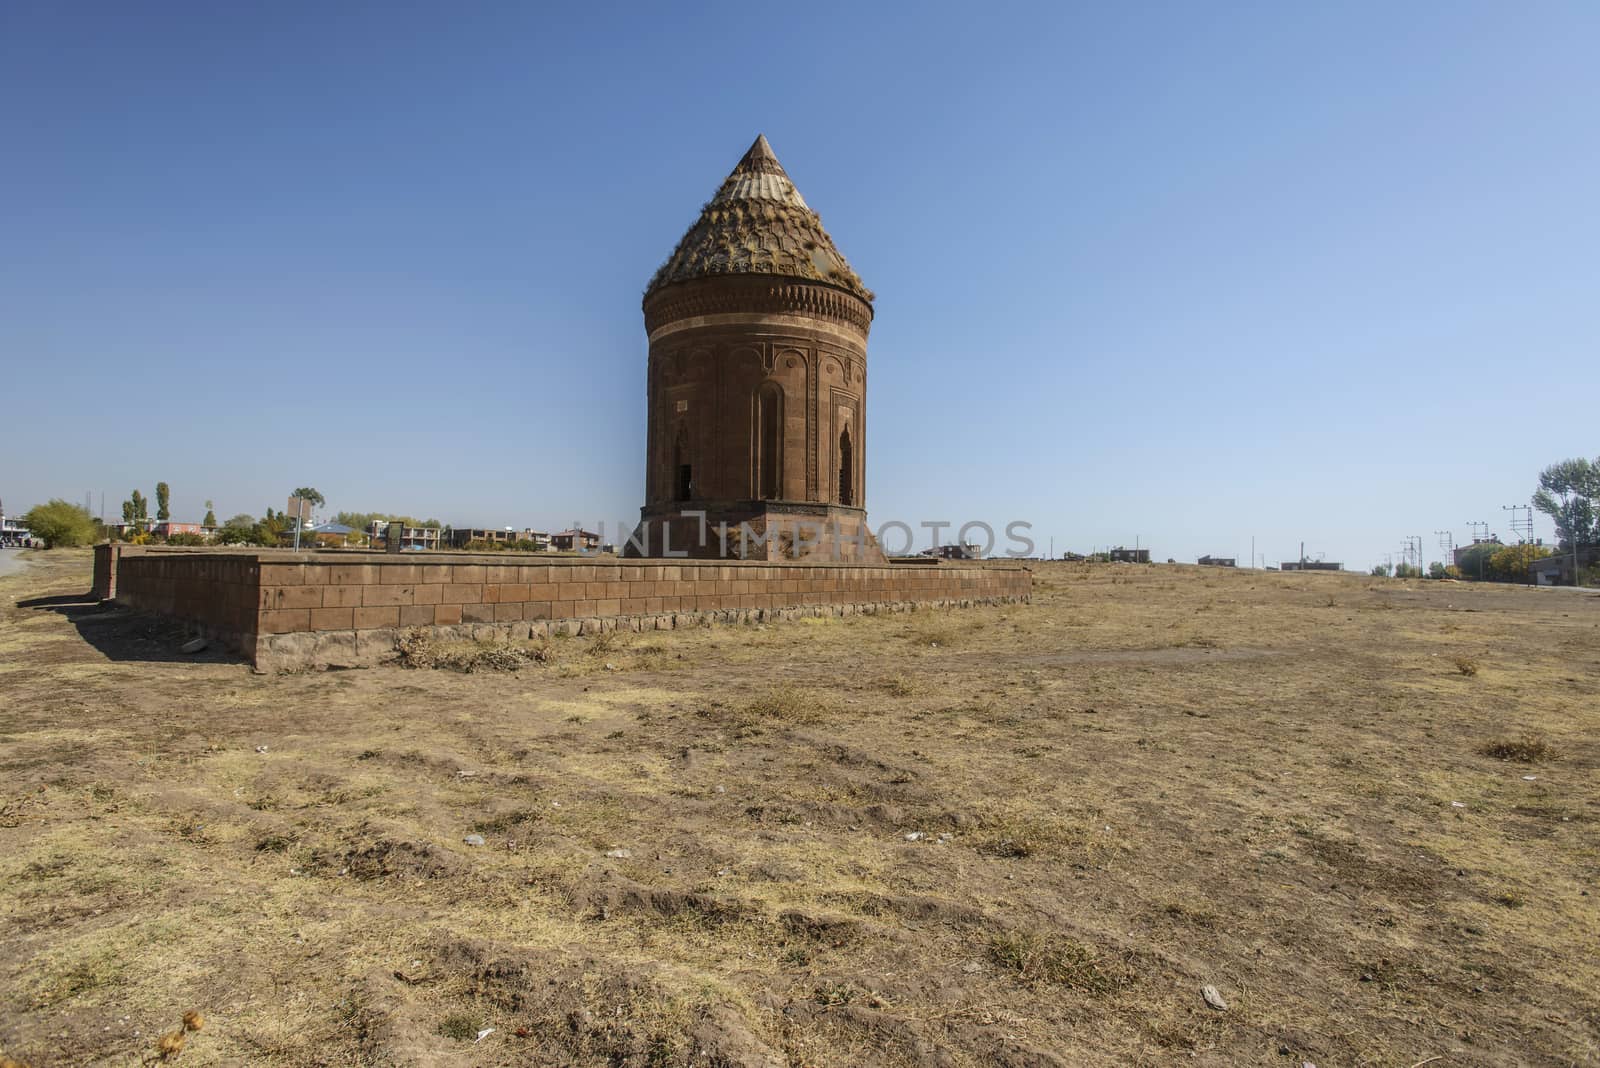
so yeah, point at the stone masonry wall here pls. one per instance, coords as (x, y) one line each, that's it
(219, 593)
(285, 610)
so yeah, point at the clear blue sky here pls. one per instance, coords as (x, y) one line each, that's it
(1185, 273)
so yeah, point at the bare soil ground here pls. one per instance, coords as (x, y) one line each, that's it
(1365, 811)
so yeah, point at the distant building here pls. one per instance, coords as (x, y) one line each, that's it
(1557, 570)
(503, 536)
(1462, 550)
(1310, 565)
(13, 533)
(1120, 555)
(970, 550)
(567, 541)
(424, 539)
(167, 528)
(1218, 561)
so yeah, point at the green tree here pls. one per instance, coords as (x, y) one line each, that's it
(1510, 563)
(311, 496)
(1436, 570)
(1474, 560)
(1380, 571)
(58, 522)
(270, 531)
(211, 516)
(163, 502)
(240, 530)
(1407, 571)
(1569, 493)
(128, 515)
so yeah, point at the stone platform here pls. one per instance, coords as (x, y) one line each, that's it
(283, 610)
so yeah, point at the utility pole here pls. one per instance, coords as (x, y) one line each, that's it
(297, 510)
(1521, 521)
(1572, 533)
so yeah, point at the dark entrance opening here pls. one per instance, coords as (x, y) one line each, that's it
(685, 483)
(769, 464)
(846, 467)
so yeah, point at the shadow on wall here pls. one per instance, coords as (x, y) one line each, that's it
(120, 634)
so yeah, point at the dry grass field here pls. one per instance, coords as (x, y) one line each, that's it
(1365, 811)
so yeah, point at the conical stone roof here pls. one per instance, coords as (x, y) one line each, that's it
(758, 224)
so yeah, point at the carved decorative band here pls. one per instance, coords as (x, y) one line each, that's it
(765, 296)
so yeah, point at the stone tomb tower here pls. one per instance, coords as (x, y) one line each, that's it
(757, 383)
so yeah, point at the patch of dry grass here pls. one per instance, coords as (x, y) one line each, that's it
(1526, 750)
(1009, 834)
(1046, 959)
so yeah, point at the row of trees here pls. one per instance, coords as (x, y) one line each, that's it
(136, 509)
(364, 520)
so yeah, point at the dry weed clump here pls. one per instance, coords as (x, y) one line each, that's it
(604, 643)
(419, 650)
(899, 686)
(1467, 665)
(1039, 959)
(1526, 750)
(789, 704)
(1023, 835)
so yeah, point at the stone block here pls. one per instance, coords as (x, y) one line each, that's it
(332, 618)
(341, 596)
(385, 596)
(352, 574)
(416, 615)
(284, 621)
(377, 617)
(280, 597)
(282, 575)
(335, 649)
(376, 646)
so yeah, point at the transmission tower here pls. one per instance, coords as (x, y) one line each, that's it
(1521, 521)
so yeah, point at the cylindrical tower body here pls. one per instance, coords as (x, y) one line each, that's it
(757, 384)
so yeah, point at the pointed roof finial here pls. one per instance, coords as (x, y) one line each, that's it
(761, 149)
(758, 223)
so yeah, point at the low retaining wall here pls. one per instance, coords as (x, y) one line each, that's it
(286, 610)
